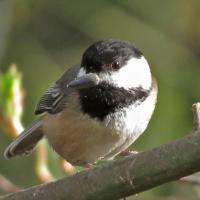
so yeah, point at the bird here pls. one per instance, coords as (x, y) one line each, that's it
(96, 109)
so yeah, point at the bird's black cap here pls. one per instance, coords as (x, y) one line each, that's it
(108, 55)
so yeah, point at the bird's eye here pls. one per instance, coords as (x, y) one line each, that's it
(116, 65)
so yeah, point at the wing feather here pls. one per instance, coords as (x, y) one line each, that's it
(54, 97)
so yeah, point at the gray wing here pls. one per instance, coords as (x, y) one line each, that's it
(26, 141)
(53, 99)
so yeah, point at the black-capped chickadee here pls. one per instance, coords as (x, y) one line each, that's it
(95, 110)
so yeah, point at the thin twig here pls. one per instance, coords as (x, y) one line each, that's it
(7, 124)
(196, 115)
(42, 169)
(194, 180)
(68, 168)
(7, 186)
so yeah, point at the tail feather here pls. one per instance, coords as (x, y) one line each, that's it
(26, 141)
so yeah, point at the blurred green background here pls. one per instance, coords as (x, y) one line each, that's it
(44, 38)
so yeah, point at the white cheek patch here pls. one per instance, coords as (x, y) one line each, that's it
(136, 73)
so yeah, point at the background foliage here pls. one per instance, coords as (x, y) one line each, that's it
(46, 37)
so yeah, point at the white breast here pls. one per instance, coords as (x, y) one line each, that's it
(131, 122)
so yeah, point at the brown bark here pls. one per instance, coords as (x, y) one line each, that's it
(123, 177)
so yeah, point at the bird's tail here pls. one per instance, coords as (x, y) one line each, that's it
(26, 141)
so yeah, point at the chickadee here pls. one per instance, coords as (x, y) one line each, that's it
(96, 109)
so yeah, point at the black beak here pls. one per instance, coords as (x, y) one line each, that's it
(85, 81)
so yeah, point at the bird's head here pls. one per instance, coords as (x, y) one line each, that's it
(113, 62)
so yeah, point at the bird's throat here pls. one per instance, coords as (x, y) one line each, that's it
(104, 99)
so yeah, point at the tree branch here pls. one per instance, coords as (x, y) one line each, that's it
(123, 177)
